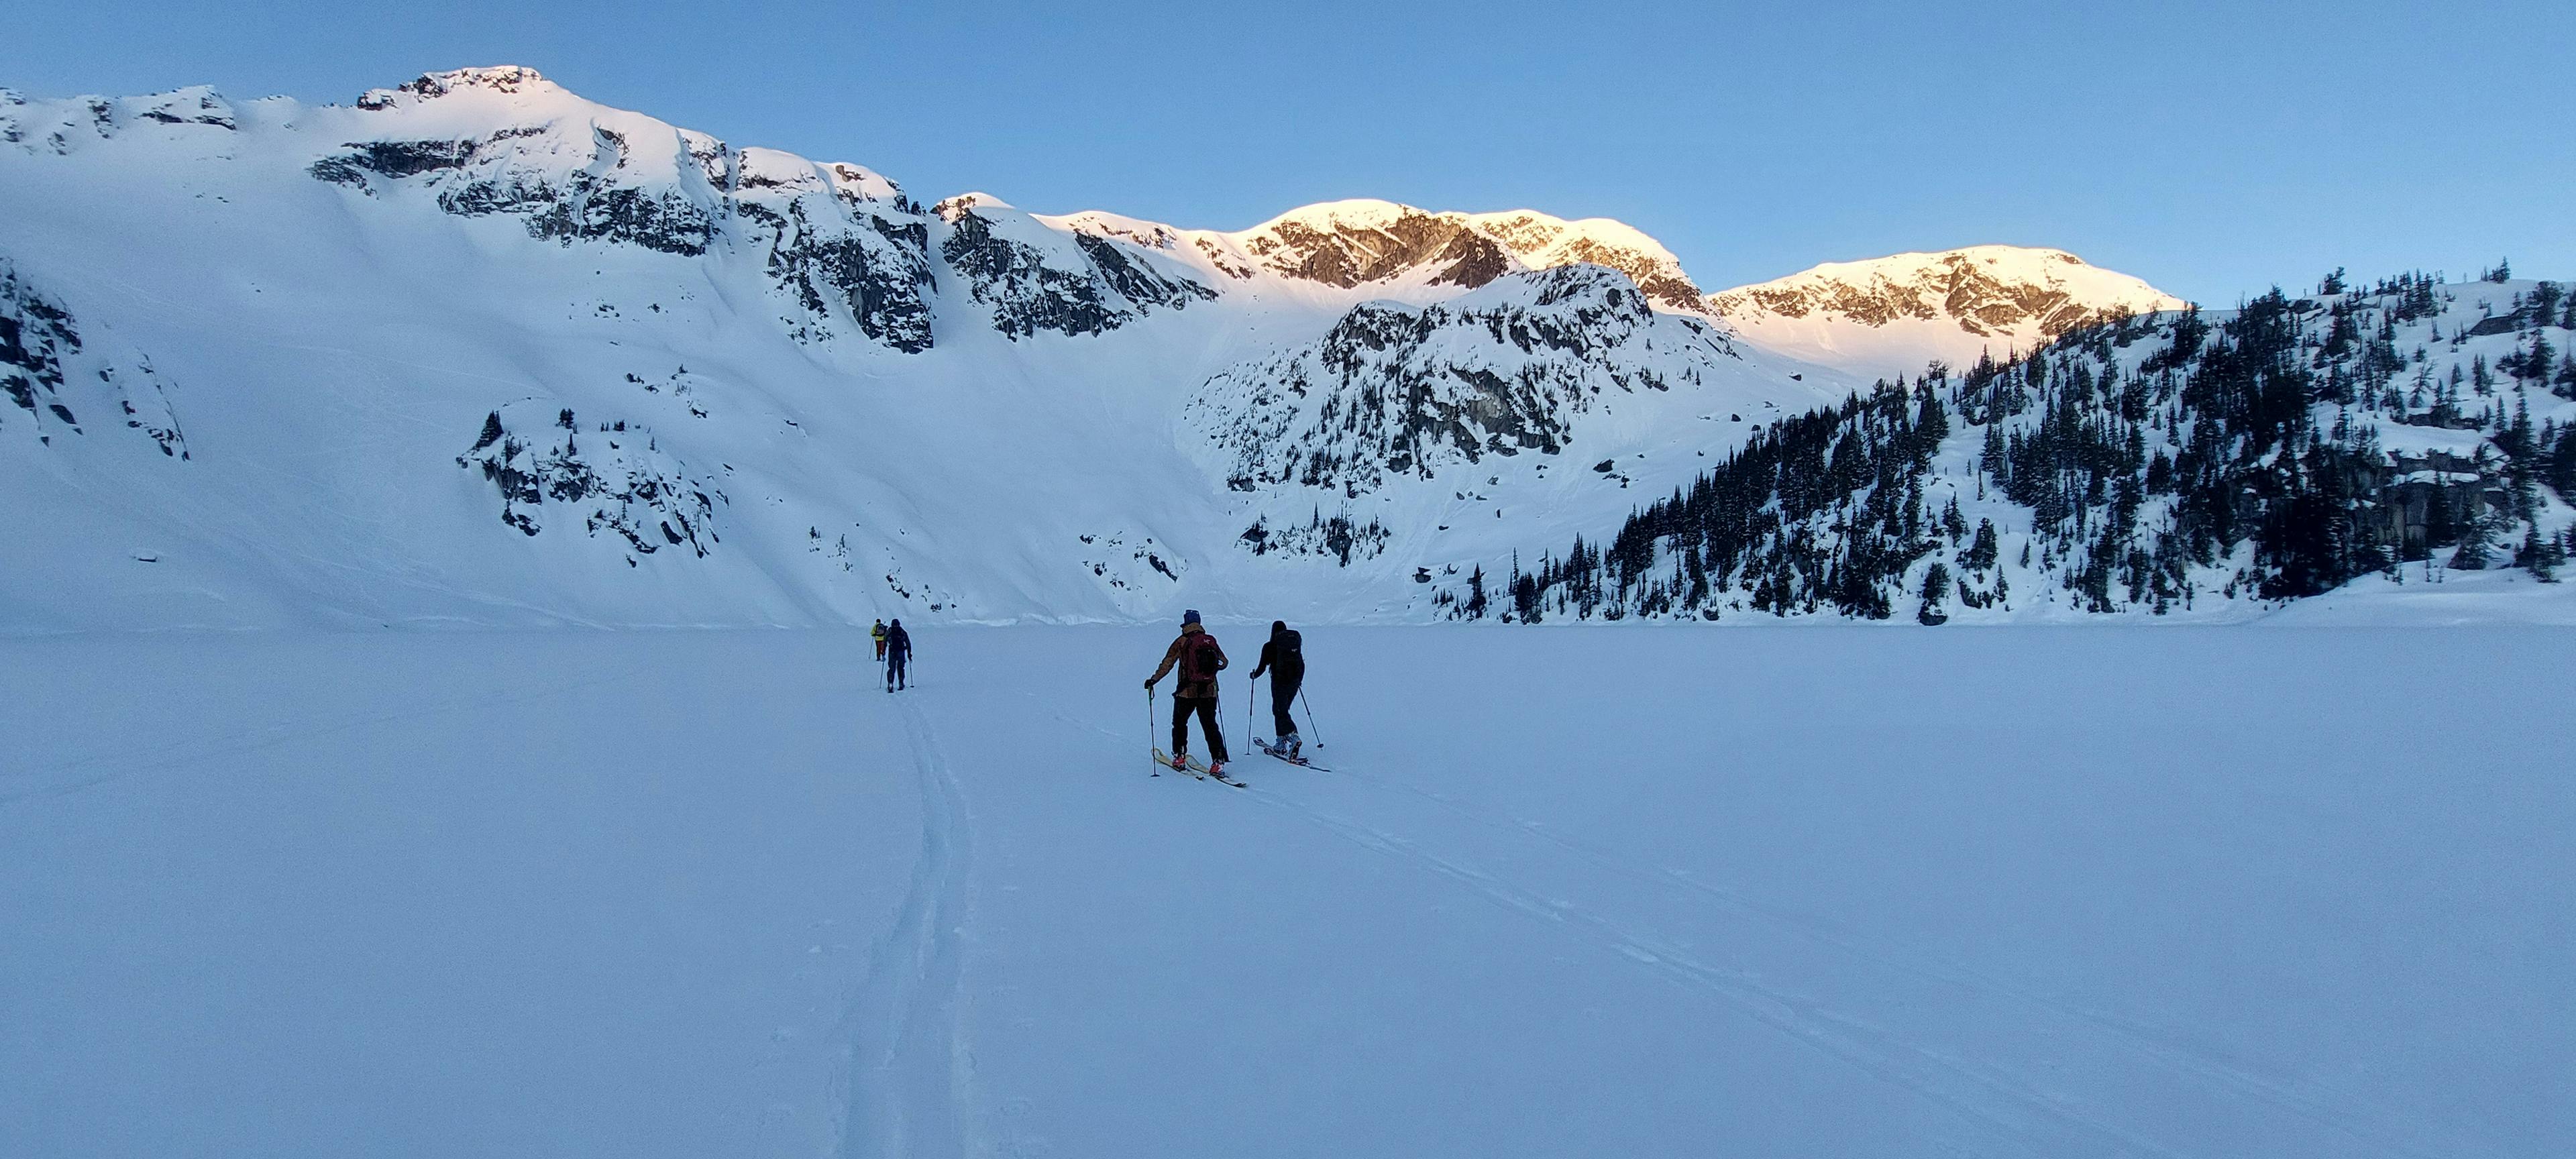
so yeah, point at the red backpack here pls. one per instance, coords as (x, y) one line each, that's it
(1199, 655)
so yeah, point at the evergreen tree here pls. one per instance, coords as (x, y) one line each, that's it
(2472, 554)
(1936, 590)
(2540, 557)
(1981, 551)
(2559, 468)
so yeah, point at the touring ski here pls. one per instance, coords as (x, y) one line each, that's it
(1163, 763)
(1282, 754)
(1218, 777)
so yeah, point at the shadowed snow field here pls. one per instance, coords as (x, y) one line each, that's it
(1809, 891)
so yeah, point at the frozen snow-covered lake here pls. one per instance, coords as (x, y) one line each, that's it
(2054, 892)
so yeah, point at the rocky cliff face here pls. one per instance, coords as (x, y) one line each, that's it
(614, 480)
(1356, 243)
(843, 245)
(845, 242)
(1394, 390)
(1035, 277)
(55, 376)
(1988, 291)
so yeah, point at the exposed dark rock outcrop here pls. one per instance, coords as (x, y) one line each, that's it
(1394, 390)
(614, 479)
(45, 362)
(1031, 286)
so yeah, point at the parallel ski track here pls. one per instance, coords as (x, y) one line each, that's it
(1943, 1078)
(1976, 1091)
(907, 1086)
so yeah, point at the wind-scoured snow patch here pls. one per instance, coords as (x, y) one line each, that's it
(62, 127)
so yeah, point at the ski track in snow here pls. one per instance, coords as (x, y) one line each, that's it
(2331, 1108)
(2037, 1120)
(906, 1087)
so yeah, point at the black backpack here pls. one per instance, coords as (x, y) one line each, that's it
(1198, 658)
(1285, 653)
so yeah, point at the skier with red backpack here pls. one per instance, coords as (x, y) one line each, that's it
(1199, 658)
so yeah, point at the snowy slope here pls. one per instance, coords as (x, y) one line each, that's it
(797, 394)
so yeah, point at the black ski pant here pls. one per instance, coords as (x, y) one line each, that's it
(1283, 693)
(894, 669)
(1182, 707)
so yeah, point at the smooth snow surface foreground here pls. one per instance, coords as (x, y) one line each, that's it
(1805, 892)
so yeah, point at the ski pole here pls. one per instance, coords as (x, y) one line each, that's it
(1149, 723)
(1310, 718)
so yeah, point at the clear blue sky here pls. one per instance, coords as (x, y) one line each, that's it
(2212, 148)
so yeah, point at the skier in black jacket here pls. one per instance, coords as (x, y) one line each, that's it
(898, 653)
(1285, 660)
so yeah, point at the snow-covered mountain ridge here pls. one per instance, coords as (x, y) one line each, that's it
(475, 349)
(1882, 315)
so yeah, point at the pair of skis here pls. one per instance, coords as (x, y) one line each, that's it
(1193, 766)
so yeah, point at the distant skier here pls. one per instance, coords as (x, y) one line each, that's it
(897, 650)
(1283, 657)
(1200, 659)
(878, 634)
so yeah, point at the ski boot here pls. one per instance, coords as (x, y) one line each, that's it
(1180, 762)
